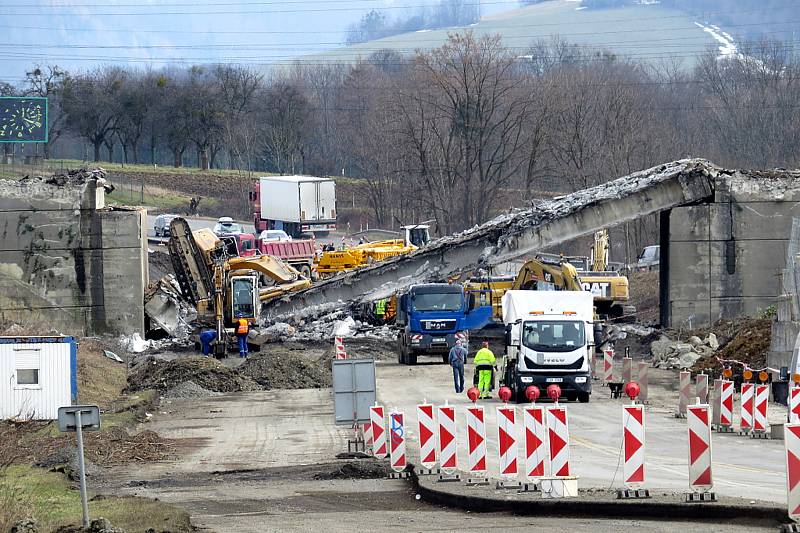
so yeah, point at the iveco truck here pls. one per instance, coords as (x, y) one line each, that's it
(432, 316)
(549, 339)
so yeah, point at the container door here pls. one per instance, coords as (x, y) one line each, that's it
(309, 200)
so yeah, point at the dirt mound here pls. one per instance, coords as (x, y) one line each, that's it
(356, 470)
(159, 264)
(208, 373)
(746, 340)
(643, 288)
(288, 370)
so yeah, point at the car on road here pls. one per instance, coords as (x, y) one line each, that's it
(227, 226)
(274, 235)
(161, 225)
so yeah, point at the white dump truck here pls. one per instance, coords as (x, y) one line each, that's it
(550, 338)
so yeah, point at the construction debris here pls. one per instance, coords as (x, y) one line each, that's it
(73, 178)
(671, 354)
(209, 373)
(288, 371)
(166, 308)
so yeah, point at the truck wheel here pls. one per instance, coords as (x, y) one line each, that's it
(400, 352)
(445, 358)
(411, 357)
(305, 271)
(583, 397)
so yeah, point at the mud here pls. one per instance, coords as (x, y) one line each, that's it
(208, 373)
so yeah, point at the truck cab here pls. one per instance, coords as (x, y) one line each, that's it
(417, 235)
(549, 339)
(432, 316)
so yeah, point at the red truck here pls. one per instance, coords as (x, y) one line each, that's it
(298, 253)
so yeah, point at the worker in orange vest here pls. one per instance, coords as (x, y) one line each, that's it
(241, 335)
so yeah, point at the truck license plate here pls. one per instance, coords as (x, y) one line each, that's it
(439, 339)
(555, 380)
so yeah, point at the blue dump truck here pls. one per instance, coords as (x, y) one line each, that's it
(432, 316)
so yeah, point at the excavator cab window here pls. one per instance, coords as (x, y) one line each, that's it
(419, 236)
(243, 297)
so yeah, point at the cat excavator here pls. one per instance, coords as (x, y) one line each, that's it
(222, 286)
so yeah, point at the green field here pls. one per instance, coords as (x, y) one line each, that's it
(647, 32)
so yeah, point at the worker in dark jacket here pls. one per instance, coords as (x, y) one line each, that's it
(457, 358)
(207, 337)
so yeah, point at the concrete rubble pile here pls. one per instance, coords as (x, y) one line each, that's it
(669, 354)
(167, 309)
(322, 329)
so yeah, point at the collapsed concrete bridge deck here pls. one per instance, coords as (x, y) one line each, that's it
(519, 234)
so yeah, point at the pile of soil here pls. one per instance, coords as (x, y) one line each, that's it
(356, 470)
(288, 370)
(116, 446)
(643, 288)
(159, 264)
(208, 373)
(746, 340)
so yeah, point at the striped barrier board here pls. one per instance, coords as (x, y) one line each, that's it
(397, 440)
(378, 427)
(792, 446)
(701, 387)
(726, 404)
(627, 369)
(760, 422)
(716, 402)
(427, 438)
(699, 431)
(633, 446)
(339, 344)
(794, 405)
(507, 441)
(746, 412)
(684, 384)
(643, 381)
(558, 439)
(448, 458)
(535, 442)
(476, 440)
(608, 365)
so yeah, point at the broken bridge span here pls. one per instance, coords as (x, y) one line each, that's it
(515, 235)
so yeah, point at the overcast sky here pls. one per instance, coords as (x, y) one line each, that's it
(80, 34)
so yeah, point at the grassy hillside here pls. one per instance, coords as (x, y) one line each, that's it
(648, 32)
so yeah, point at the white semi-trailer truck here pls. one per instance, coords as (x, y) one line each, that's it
(550, 338)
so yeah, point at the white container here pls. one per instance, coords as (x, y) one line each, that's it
(37, 376)
(298, 199)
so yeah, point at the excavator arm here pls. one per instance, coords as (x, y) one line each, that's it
(286, 278)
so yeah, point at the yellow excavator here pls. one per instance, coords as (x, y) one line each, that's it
(334, 261)
(609, 288)
(222, 286)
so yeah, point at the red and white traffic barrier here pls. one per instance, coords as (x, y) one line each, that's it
(448, 458)
(427, 439)
(643, 381)
(633, 446)
(476, 440)
(507, 441)
(746, 412)
(627, 369)
(684, 384)
(791, 442)
(726, 405)
(368, 434)
(701, 387)
(535, 443)
(794, 405)
(558, 439)
(339, 344)
(608, 365)
(699, 424)
(716, 400)
(378, 430)
(397, 440)
(760, 422)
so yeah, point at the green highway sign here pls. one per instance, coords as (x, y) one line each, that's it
(23, 119)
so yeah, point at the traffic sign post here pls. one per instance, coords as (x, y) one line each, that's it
(535, 446)
(397, 445)
(476, 442)
(507, 447)
(746, 413)
(78, 418)
(725, 424)
(760, 421)
(684, 383)
(427, 439)
(448, 444)
(700, 478)
(792, 445)
(378, 428)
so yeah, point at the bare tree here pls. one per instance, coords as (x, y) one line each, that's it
(284, 133)
(48, 82)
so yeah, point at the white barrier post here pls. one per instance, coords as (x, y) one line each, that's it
(507, 447)
(699, 430)
(746, 412)
(476, 445)
(378, 429)
(644, 380)
(791, 435)
(608, 365)
(535, 447)
(427, 439)
(684, 384)
(794, 404)
(561, 484)
(701, 387)
(760, 421)
(725, 424)
(397, 441)
(627, 369)
(633, 471)
(448, 443)
(339, 344)
(716, 406)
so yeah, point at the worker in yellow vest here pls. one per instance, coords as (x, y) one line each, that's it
(241, 335)
(484, 365)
